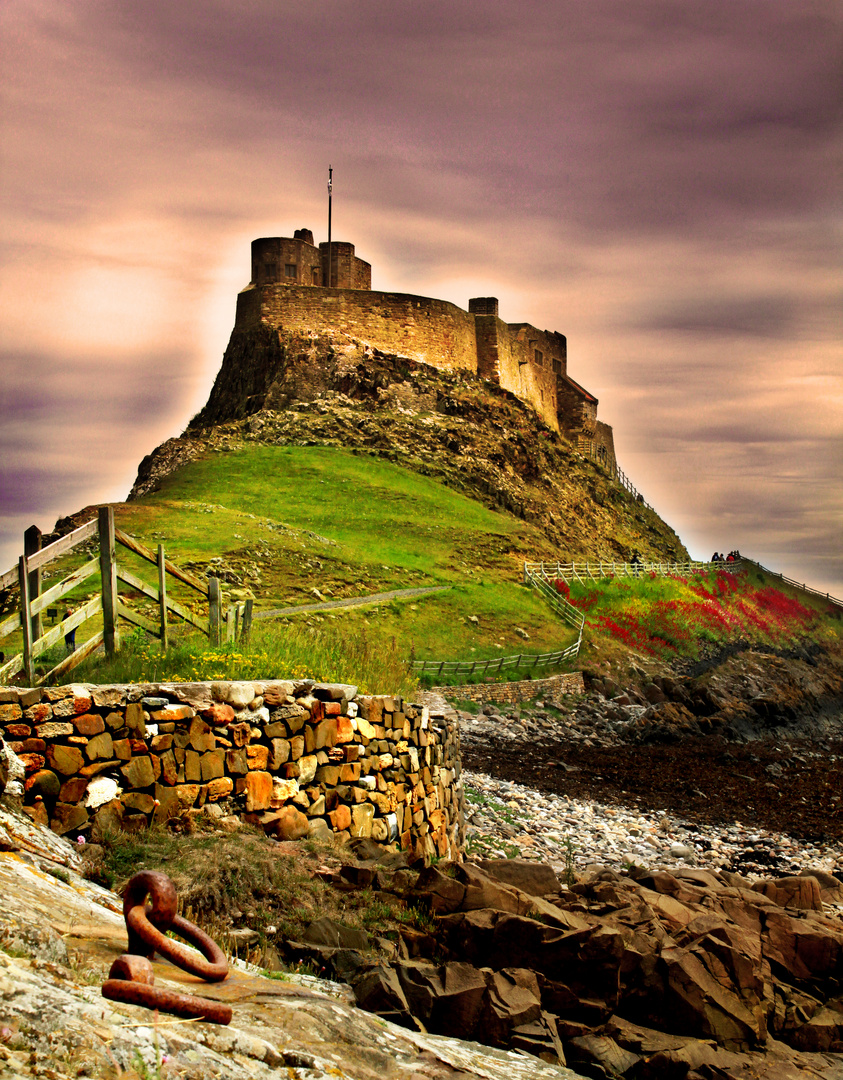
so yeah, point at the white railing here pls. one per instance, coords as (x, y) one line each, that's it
(490, 667)
(594, 571)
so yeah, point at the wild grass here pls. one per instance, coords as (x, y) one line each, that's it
(371, 661)
(678, 616)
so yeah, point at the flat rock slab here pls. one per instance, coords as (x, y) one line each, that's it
(71, 930)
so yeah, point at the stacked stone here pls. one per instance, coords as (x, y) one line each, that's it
(513, 693)
(296, 758)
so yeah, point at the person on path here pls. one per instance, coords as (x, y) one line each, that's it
(70, 636)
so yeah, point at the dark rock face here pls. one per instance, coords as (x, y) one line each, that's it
(693, 969)
(300, 389)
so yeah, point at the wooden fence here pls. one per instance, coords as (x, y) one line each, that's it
(34, 599)
(500, 663)
(523, 660)
(593, 571)
(806, 588)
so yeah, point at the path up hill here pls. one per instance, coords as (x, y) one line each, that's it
(469, 434)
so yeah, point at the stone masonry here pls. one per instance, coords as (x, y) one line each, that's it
(296, 758)
(513, 693)
(289, 294)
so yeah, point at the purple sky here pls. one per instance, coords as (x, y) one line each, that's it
(658, 179)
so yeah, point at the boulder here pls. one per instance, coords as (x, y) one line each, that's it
(537, 879)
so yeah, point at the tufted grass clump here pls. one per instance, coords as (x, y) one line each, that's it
(371, 660)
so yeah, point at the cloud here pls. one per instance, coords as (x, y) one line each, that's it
(653, 178)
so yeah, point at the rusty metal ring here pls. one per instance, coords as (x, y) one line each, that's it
(131, 979)
(188, 1006)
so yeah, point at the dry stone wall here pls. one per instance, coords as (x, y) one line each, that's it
(515, 692)
(299, 759)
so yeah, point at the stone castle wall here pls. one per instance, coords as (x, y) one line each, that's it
(297, 758)
(528, 362)
(433, 332)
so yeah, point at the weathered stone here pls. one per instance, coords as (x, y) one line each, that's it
(212, 765)
(55, 730)
(97, 767)
(220, 788)
(218, 715)
(289, 824)
(100, 746)
(321, 736)
(793, 892)
(279, 754)
(166, 805)
(187, 794)
(138, 773)
(340, 818)
(32, 762)
(192, 767)
(138, 801)
(236, 762)
(172, 713)
(258, 790)
(241, 694)
(44, 784)
(108, 818)
(73, 790)
(66, 760)
(201, 736)
(89, 724)
(283, 790)
(240, 733)
(257, 756)
(134, 719)
(67, 817)
(122, 749)
(362, 816)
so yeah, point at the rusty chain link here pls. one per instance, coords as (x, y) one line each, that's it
(130, 978)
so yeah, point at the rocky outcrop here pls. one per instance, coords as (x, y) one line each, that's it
(467, 433)
(58, 936)
(694, 970)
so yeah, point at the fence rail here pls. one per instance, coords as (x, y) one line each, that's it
(501, 663)
(594, 571)
(806, 588)
(34, 600)
(490, 667)
(619, 476)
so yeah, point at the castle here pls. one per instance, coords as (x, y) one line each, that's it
(297, 287)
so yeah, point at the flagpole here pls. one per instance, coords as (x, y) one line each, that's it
(330, 194)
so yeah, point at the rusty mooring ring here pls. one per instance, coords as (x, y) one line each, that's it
(130, 978)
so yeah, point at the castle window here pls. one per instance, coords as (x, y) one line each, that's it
(315, 274)
(538, 355)
(270, 272)
(557, 366)
(290, 271)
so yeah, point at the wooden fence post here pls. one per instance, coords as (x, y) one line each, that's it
(246, 625)
(31, 544)
(162, 598)
(26, 621)
(108, 574)
(214, 610)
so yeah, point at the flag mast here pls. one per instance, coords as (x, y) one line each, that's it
(330, 194)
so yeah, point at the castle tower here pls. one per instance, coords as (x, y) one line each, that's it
(280, 260)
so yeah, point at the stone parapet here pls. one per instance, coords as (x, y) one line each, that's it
(299, 759)
(515, 692)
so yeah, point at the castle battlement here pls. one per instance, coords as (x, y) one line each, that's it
(289, 292)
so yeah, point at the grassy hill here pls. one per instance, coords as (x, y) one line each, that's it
(294, 526)
(406, 478)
